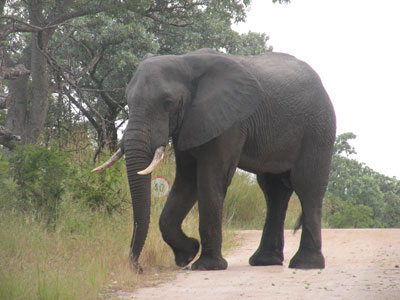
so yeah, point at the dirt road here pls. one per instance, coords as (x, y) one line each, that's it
(360, 264)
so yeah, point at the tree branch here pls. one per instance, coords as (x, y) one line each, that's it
(176, 10)
(91, 65)
(65, 74)
(158, 20)
(17, 26)
(66, 37)
(81, 108)
(76, 14)
(89, 89)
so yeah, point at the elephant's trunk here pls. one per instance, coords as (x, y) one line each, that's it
(140, 192)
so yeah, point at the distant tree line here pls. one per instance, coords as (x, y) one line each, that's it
(357, 195)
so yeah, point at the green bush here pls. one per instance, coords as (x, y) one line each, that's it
(3, 168)
(339, 214)
(36, 180)
(106, 191)
(41, 176)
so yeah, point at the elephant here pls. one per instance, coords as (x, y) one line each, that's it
(268, 114)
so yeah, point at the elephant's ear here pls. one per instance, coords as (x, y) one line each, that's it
(225, 92)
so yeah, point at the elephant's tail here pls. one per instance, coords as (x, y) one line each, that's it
(299, 222)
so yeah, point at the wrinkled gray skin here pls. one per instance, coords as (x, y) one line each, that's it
(269, 115)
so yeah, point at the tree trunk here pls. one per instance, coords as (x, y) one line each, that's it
(40, 88)
(29, 103)
(18, 94)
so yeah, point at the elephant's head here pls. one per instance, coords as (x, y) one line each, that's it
(193, 98)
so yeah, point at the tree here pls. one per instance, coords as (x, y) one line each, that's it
(94, 61)
(33, 23)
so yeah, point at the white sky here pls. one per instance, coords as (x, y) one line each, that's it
(354, 45)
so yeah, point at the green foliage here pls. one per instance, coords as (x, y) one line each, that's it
(106, 191)
(358, 196)
(37, 180)
(41, 176)
(342, 145)
(3, 168)
(347, 215)
(251, 43)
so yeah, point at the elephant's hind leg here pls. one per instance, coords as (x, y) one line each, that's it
(180, 201)
(277, 192)
(310, 179)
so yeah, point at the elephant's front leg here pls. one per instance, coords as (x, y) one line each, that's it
(215, 168)
(211, 191)
(180, 201)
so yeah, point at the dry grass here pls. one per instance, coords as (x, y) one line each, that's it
(245, 206)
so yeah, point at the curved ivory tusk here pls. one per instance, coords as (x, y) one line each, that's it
(158, 156)
(113, 159)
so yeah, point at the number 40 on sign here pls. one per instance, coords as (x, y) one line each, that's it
(159, 187)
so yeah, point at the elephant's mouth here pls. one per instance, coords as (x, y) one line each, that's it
(158, 156)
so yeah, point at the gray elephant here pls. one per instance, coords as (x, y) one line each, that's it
(268, 114)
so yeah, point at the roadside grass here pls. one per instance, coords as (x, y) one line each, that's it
(245, 205)
(85, 254)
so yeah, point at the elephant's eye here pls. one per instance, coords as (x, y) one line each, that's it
(167, 103)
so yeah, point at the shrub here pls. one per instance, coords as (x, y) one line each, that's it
(41, 176)
(107, 191)
(339, 214)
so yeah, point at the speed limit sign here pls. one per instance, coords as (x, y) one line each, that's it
(159, 187)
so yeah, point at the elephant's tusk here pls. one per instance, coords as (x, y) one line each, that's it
(113, 159)
(158, 156)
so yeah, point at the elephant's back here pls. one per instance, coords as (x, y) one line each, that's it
(296, 104)
(279, 72)
(292, 88)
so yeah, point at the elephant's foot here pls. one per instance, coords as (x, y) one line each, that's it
(210, 263)
(307, 259)
(135, 266)
(265, 258)
(184, 256)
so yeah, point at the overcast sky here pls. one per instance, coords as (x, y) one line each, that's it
(354, 45)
